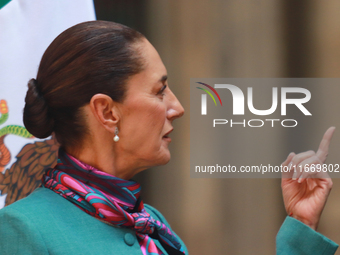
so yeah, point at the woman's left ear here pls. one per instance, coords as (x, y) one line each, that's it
(105, 111)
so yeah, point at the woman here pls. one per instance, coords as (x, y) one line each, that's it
(102, 90)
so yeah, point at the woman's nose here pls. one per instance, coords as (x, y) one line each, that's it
(175, 109)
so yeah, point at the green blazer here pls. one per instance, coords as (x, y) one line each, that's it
(46, 223)
(295, 237)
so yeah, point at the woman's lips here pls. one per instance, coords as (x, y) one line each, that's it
(166, 136)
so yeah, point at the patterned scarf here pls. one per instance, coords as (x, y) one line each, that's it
(110, 199)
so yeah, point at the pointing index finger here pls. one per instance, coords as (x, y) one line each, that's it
(324, 145)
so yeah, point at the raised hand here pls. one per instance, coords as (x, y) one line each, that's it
(305, 193)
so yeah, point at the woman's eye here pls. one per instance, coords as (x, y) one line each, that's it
(161, 91)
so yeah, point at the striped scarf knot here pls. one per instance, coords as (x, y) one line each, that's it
(143, 222)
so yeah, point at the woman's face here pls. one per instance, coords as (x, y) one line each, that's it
(147, 113)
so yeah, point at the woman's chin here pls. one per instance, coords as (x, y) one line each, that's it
(165, 158)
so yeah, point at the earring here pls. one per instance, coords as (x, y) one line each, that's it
(116, 138)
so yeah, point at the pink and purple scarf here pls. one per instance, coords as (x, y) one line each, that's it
(110, 199)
